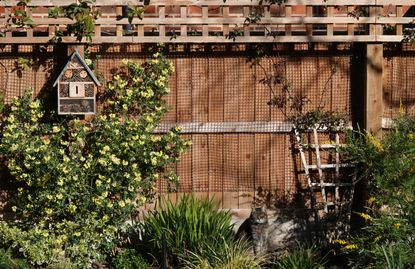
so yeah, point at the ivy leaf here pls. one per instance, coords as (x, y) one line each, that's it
(135, 12)
(53, 12)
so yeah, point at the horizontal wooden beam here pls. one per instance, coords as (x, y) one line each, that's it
(208, 39)
(214, 2)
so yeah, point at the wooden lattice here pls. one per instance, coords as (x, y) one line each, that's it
(330, 181)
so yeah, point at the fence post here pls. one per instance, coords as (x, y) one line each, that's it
(374, 88)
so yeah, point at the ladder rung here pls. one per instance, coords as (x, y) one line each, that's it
(326, 166)
(329, 184)
(323, 146)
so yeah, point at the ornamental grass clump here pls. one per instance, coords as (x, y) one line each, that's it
(190, 226)
(79, 183)
(388, 166)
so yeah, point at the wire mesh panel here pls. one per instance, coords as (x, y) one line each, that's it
(241, 143)
(399, 88)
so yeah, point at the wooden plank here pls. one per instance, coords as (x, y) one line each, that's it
(247, 92)
(225, 16)
(399, 14)
(231, 93)
(162, 15)
(184, 169)
(215, 142)
(118, 13)
(183, 15)
(262, 92)
(350, 26)
(184, 89)
(200, 157)
(262, 161)
(246, 170)
(309, 13)
(171, 98)
(374, 87)
(205, 15)
(230, 171)
(216, 2)
(210, 39)
(200, 90)
(330, 13)
(215, 86)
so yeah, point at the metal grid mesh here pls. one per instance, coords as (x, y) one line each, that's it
(220, 88)
(399, 89)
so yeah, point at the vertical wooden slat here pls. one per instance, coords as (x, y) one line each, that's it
(184, 114)
(399, 13)
(246, 141)
(118, 13)
(205, 15)
(225, 15)
(246, 170)
(97, 30)
(183, 15)
(350, 26)
(200, 111)
(231, 142)
(215, 142)
(162, 15)
(262, 161)
(216, 107)
(330, 13)
(288, 27)
(200, 164)
(184, 89)
(29, 30)
(171, 98)
(246, 11)
(375, 29)
(7, 12)
(230, 172)
(184, 169)
(309, 27)
(140, 30)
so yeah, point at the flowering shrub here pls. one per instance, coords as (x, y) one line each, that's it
(388, 164)
(78, 183)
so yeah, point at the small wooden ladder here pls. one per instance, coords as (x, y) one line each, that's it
(337, 193)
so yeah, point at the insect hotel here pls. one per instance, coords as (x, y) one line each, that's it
(77, 87)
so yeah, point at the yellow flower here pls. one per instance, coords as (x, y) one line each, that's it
(350, 247)
(34, 104)
(77, 234)
(340, 241)
(364, 216)
(56, 129)
(88, 61)
(377, 238)
(397, 225)
(371, 200)
(14, 208)
(411, 136)
(125, 61)
(121, 203)
(48, 211)
(374, 141)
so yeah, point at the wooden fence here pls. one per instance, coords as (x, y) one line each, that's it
(216, 21)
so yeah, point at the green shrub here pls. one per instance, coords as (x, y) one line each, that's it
(7, 261)
(190, 226)
(129, 259)
(302, 257)
(387, 164)
(79, 183)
